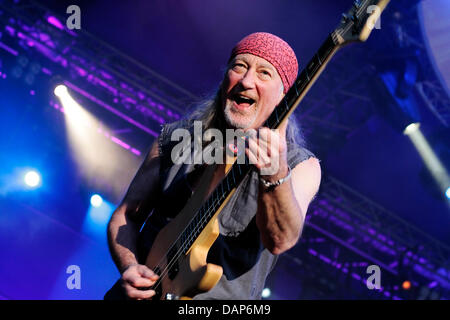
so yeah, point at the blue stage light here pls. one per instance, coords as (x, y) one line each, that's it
(96, 200)
(447, 193)
(266, 293)
(97, 218)
(32, 179)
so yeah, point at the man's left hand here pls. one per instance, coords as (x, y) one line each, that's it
(266, 149)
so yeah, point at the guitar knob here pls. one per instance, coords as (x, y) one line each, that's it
(171, 296)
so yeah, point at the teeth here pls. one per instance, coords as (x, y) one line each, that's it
(244, 99)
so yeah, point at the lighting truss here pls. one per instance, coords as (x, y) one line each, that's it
(406, 34)
(339, 103)
(342, 100)
(345, 232)
(436, 99)
(119, 80)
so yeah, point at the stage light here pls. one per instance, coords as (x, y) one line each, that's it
(96, 200)
(429, 157)
(406, 285)
(411, 128)
(60, 91)
(77, 117)
(32, 179)
(266, 293)
(97, 218)
(86, 134)
(447, 193)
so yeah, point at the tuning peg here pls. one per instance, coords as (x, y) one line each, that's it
(357, 4)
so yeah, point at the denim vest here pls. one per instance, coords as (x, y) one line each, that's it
(238, 249)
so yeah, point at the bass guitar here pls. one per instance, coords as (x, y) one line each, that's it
(180, 249)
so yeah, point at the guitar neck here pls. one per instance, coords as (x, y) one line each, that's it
(209, 208)
(238, 171)
(304, 82)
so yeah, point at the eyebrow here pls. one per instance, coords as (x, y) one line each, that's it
(267, 65)
(260, 64)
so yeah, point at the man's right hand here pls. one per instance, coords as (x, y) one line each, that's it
(137, 276)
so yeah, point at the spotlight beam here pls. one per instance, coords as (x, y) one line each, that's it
(431, 161)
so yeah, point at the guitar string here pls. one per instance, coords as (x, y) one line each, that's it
(195, 217)
(183, 232)
(198, 226)
(185, 229)
(179, 252)
(164, 273)
(186, 244)
(358, 12)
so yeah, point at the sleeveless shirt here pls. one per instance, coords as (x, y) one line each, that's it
(238, 249)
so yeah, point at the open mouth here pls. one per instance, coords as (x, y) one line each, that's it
(242, 101)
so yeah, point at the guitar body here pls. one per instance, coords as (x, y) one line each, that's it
(191, 274)
(184, 275)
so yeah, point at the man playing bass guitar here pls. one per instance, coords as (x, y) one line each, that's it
(265, 215)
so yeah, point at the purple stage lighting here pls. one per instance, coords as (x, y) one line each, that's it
(55, 22)
(8, 49)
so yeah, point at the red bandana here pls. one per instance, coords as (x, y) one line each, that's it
(274, 50)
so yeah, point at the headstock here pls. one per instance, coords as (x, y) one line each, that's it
(359, 21)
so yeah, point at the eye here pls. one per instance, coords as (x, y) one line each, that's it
(238, 66)
(266, 74)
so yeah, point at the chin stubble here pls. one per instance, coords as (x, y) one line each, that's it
(237, 119)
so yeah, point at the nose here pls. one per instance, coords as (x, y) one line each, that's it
(248, 79)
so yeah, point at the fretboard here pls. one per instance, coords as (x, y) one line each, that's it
(212, 204)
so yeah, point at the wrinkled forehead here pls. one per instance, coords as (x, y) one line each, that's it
(252, 59)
